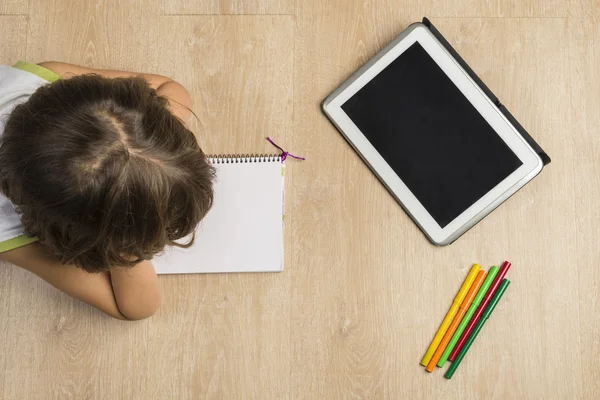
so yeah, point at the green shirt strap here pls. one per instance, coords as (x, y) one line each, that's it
(17, 242)
(38, 70)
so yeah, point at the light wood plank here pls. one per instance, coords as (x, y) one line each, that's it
(14, 7)
(502, 8)
(239, 72)
(344, 345)
(73, 357)
(101, 34)
(11, 51)
(584, 105)
(227, 336)
(182, 7)
(221, 337)
(376, 259)
(15, 28)
(46, 301)
(5, 284)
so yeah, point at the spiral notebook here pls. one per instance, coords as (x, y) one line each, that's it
(243, 232)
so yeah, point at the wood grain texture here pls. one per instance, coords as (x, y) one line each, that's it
(239, 72)
(14, 7)
(105, 34)
(5, 284)
(224, 7)
(502, 8)
(11, 51)
(343, 345)
(217, 330)
(15, 28)
(584, 102)
(75, 357)
(363, 291)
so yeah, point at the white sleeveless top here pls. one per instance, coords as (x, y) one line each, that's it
(16, 86)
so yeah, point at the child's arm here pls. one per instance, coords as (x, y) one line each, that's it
(129, 294)
(180, 101)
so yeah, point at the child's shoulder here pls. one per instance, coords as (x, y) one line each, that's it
(36, 70)
(20, 81)
(23, 78)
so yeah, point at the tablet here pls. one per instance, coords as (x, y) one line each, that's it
(428, 130)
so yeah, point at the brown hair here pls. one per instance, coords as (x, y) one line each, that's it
(102, 172)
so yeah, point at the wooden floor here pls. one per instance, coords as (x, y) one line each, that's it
(363, 291)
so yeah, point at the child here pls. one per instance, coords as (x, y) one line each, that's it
(98, 173)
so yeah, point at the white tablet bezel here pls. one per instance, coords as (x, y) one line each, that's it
(532, 163)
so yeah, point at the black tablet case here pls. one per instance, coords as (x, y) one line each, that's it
(536, 147)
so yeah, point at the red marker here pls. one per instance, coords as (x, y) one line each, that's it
(488, 297)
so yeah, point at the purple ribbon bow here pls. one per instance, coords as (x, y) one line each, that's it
(284, 154)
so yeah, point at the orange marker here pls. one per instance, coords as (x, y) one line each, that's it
(459, 316)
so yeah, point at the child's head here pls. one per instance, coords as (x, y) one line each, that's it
(102, 172)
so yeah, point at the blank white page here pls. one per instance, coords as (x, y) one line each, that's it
(243, 232)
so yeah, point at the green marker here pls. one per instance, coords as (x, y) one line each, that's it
(463, 324)
(484, 317)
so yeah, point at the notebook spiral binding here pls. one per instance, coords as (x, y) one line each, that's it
(243, 158)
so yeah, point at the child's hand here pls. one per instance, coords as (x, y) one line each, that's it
(136, 290)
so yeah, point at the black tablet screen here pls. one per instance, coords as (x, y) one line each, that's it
(431, 135)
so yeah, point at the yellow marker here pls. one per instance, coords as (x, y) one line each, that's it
(451, 313)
